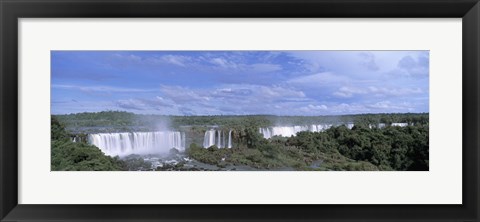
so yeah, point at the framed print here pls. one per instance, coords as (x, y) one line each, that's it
(227, 110)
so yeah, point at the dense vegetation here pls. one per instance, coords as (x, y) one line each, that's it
(124, 121)
(338, 148)
(67, 155)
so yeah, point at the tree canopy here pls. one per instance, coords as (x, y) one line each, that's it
(69, 156)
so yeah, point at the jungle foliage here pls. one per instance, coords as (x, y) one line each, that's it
(338, 148)
(125, 121)
(69, 156)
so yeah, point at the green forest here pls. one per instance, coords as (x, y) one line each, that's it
(69, 156)
(338, 148)
(125, 121)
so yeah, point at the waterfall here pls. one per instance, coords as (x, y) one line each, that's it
(217, 138)
(229, 139)
(209, 138)
(287, 131)
(349, 125)
(122, 144)
(383, 125)
(400, 124)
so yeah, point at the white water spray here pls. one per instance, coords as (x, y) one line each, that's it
(287, 131)
(217, 138)
(122, 144)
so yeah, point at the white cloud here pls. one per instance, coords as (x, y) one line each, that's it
(227, 99)
(224, 63)
(345, 108)
(288, 83)
(129, 57)
(369, 61)
(347, 92)
(182, 95)
(263, 67)
(175, 60)
(315, 109)
(236, 66)
(387, 105)
(319, 79)
(412, 66)
(366, 64)
(393, 91)
(373, 91)
(101, 89)
(132, 104)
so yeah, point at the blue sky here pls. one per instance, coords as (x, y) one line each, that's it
(240, 82)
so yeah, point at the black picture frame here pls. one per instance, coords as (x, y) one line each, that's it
(12, 10)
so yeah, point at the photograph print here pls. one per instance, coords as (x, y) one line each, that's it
(307, 110)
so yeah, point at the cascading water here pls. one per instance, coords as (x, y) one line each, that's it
(349, 125)
(220, 139)
(209, 138)
(217, 138)
(400, 124)
(383, 125)
(287, 131)
(229, 139)
(122, 144)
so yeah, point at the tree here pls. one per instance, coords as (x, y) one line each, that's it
(67, 155)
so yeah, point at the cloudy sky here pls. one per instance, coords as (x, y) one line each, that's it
(240, 82)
